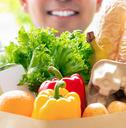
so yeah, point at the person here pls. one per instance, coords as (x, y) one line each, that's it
(62, 14)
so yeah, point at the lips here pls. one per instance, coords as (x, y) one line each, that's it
(62, 13)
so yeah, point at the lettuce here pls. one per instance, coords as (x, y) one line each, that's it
(37, 49)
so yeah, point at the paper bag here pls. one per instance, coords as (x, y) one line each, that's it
(8, 120)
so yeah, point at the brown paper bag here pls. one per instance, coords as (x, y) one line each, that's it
(118, 120)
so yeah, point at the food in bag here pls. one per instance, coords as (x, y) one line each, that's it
(95, 109)
(17, 102)
(116, 106)
(107, 82)
(112, 32)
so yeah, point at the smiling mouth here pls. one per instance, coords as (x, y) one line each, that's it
(64, 13)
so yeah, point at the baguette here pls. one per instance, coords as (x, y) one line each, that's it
(112, 32)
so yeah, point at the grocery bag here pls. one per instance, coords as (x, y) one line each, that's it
(118, 120)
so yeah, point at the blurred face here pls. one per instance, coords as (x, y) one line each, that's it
(62, 14)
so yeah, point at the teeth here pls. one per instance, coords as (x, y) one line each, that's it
(63, 13)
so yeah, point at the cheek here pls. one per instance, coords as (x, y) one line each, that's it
(35, 6)
(89, 6)
(88, 10)
(35, 9)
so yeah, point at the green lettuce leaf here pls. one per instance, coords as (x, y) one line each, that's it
(37, 49)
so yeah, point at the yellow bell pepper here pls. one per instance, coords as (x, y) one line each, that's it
(57, 104)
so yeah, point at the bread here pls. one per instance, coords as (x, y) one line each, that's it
(112, 32)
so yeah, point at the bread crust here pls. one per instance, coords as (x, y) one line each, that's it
(112, 32)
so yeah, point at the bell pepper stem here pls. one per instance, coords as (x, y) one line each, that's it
(55, 71)
(59, 84)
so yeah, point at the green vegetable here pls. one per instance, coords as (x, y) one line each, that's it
(37, 49)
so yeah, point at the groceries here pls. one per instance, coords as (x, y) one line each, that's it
(37, 49)
(99, 52)
(57, 104)
(95, 109)
(74, 83)
(106, 95)
(116, 106)
(112, 32)
(107, 78)
(17, 102)
(70, 58)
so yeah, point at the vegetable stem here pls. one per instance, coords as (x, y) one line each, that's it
(59, 84)
(54, 70)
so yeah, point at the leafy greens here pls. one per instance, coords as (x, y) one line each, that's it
(38, 48)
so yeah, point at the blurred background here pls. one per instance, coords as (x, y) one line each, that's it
(12, 18)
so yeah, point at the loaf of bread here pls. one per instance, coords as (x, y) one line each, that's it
(112, 32)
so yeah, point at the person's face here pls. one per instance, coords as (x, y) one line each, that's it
(62, 14)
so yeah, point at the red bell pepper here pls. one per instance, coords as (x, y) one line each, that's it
(74, 83)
